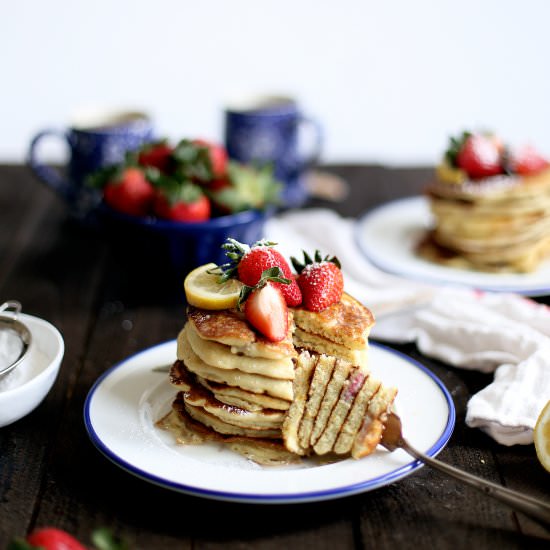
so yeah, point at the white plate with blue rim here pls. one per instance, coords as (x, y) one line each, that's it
(389, 234)
(124, 404)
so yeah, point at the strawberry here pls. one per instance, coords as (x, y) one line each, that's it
(266, 310)
(527, 160)
(49, 538)
(480, 156)
(156, 155)
(248, 264)
(217, 155)
(130, 193)
(184, 202)
(320, 280)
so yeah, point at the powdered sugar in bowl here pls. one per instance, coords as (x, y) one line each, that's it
(25, 386)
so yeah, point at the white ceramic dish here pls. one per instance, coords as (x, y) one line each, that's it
(389, 234)
(31, 381)
(123, 405)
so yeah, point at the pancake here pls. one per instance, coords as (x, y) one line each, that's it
(341, 330)
(497, 224)
(305, 364)
(322, 375)
(313, 342)
(218, 425)
(242, 398)
(187, 431)
(220, 356)
(232, 377)
(347, 322)
(230, 328)
(198, 396)
(338, 408)
(331, 395)
(351, 425)
(263, 419)
(338, 415)
(370, 433)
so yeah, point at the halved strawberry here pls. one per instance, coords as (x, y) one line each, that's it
(320, 280)
(266, 310)
(249, 263)
(527, 160)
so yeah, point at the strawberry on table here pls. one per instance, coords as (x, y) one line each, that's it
(156, 155)
(130, 193)
(249, 263)
(527, 160)
(320, 280)
(184, 202)
(47, 538)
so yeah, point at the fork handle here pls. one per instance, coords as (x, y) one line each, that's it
(530, 506)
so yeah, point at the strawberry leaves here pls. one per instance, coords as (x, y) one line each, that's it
(317, 258)
(273, 274)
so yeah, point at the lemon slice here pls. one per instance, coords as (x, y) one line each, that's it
(542, 437)
(446, 173)
(203, 290)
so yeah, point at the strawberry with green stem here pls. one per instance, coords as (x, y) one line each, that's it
(247, 264)
(479, 155)
(129, 192)
(178, 200)
(320, 280)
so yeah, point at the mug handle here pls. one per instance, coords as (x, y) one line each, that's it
(314, 127)
(47, 174)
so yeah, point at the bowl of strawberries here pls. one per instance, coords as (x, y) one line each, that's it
(189, 195)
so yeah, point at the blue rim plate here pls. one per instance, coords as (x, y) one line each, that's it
(388, 235)
(125, 402)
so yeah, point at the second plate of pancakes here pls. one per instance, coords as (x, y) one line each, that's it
(388, 236)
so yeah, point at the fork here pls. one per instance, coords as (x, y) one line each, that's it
(393, 439)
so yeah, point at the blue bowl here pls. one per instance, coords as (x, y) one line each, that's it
(189, 245)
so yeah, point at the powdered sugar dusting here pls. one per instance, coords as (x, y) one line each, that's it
(28, 369)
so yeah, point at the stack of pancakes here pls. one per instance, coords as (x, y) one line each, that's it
(497, 224)
(341, 330)
(233, 380)
(312, 393)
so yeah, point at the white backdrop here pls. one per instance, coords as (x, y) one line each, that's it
(388, 80)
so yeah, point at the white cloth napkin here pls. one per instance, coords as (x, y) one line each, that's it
(490, 332)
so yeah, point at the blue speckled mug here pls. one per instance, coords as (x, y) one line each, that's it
(95, 139)
(269, 129)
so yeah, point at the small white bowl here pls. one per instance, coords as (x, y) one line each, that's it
(23, 389)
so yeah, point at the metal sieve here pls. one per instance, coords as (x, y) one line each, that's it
(15, 337)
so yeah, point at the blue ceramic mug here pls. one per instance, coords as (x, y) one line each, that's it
(270, 129)
(96, 139)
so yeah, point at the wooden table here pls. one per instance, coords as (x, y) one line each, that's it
(108, 304)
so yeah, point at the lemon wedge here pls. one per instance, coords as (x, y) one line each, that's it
(203, 290)
(541, 436)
